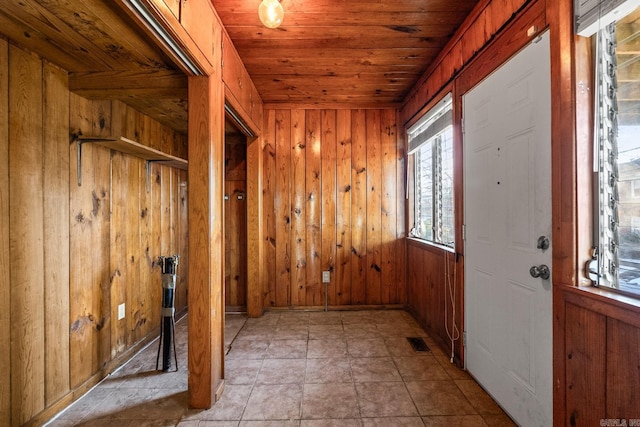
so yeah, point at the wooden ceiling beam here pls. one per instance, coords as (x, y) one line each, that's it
(158, 84)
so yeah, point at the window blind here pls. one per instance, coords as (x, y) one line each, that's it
(439, 118)
(592, 15)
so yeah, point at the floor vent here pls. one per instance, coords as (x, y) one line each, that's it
(418, 344)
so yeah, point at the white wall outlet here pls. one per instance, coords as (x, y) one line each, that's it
(326, 276)
(121, 311)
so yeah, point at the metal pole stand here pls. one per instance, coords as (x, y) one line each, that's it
(168, 322)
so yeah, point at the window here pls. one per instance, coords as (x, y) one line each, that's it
(616, 144)
(431, 153)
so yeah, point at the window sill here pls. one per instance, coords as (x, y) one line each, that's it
(431, 246)
(603, 301)
(625, 301)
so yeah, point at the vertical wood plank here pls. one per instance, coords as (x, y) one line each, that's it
(230, 253)
(389, 193)
(313, 209)
(206, 246)
(269, 188)
(183, 250)
(5, 292)
(98, 194)
(255, 224)
(119, 256)
(328, 199)
(142, 291)
(374, 217)
(27, 235)
(298, 209)
(358, 207)
(155, 195)
(585, 351)
(623, 353)
(342, 276)
(56, 231)
(89, 276)
(401, 214)
(282, 207)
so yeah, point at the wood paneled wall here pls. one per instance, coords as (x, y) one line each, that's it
(333, 186)
(435, 283)
(70, 254)
(599, 359)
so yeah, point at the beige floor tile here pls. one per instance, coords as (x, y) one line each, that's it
(326, 349)
(361, 330)
(501, 420)
(480, 400)
(257, 332)
(205, 423)
(294, 318)
(385, 400)
(400, 347)
(378, 369)
(321, 401)
(230, 406)
(248, 350)
(282, 371)
(420, 368)
(325, 318)
(357, 317)
(392, 421)
(395, 330)
(284, 423)
(439, 398)
(295, 331)
(287, 349)
(328, 371)
(326, 332)
(454, 421)
(367, 347)
(353, 422)
(240, 371)
(274, 402)
(284, 366)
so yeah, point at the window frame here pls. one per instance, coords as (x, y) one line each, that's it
(434, 123)
(605, 266)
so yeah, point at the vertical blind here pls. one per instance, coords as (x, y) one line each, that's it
(592, 15)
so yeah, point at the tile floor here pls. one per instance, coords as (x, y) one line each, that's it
(307, 369)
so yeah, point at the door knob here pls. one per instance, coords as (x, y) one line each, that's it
(541, 271)
(543, 243)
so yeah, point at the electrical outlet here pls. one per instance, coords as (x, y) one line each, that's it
(326, 276)
(121, 311)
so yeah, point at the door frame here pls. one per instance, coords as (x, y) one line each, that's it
(254, 163)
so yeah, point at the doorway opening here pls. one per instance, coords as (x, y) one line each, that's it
(235, 214)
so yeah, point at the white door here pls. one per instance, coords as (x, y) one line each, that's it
(507, 175)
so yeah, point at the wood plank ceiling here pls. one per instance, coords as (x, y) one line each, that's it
(360, 52)
(353, 52)
(106, 54)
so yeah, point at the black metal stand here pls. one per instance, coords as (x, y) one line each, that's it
(168, 323)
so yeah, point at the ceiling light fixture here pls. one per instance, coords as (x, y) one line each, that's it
(271, 13)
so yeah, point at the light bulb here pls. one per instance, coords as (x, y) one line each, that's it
(271, 13)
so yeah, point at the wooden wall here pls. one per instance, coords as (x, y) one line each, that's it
(599, 359)
(69, 254)
(333, 185)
